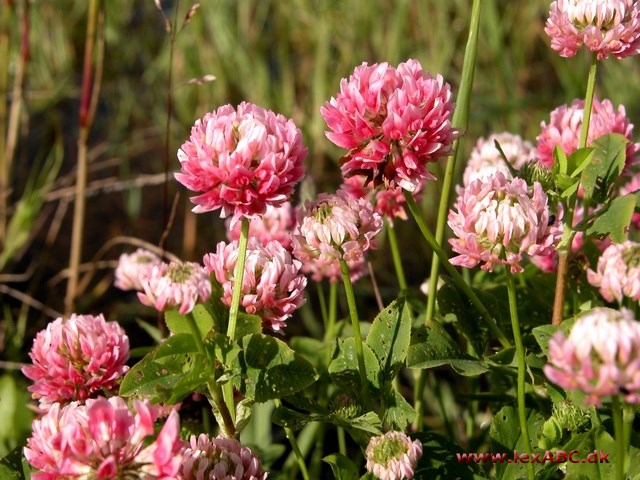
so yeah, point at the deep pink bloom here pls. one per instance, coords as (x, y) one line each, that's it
(277, 224)
(485, 159)
(600, 357)
(103, 440)
(133, 268)
(618, 272)
(175, 285)
(631, 186)
(566, 122)
(393, 121)
(220, 458)
(242, 160)
(605, 27)
(498, 220)
(272, 285)
(393, 456)
(76, 358)
(334, 227)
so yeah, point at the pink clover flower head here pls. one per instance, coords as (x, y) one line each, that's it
(565, 124)
(393, 456)
(277, 224)
(77, 358)
(605, 27)
(496, 221)
(242, 160)
(485, 159)
(618, 272)
(103, 439)
(272, 284)
(389, 203)
(219, 458)
(393, 121)
(333, 227)
(176, 285)
(133, 268)
(600, 357)
(632, 186)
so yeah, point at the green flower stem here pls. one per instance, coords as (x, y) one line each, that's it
(214, 389)
(237, 279)
(622, 445)
(522, 415)
(455, 275)
(342, 441)
(355, 322)
(564, 254)
(323, 305)
(296, 449)
(333, 311)
(460, 120)
(395, 253)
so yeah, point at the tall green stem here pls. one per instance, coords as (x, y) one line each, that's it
(515, 325)
(395, 253)
(455, 275)
(565, 253)
(296, 448)
(237, 279)
(622, 445)
(460, 120)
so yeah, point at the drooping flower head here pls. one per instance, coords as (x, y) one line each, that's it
(175, 285)
(485, 159)
(605, 27)
(277, 224)
(618, 272)
(133, 268)
(566, 122)
(272, 285)
(334, 227)
(498, 220)
(76, 359)
(393, 121)
(242, 160)
(393, 456)
(219, 458)
(600, 357)
(103, 440)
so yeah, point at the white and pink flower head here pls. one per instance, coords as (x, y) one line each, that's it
(393, 456)
(177, 285)
(565, 124)
(277, 224)
(618, 272)
(76, 359)
(600, 357)
(272, 284)
(605, 27)
(393, 121)
(499, 220)
(333, 227)
(241, 160)
(133, 268)
(103, 440)
(219, 458)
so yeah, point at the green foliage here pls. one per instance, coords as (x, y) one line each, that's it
(14, 399)
(14, 466)
(343, 468)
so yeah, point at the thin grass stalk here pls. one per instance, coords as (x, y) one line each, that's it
(461, 121)
(296, 448)
(85, 121)
(5, 21)
(395, 254)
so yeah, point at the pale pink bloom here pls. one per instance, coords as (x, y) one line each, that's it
(389, 203)
(103, 440)
(485, 159)
(76, 358)
(220, 458)
(393, 456)
(631, 186)
(242, 160)
(272, 285)
(334, 227)
(133, 268)
(393, 121)
(565, 124)
(605, 27)
(176, 285)
(277, 224)
(600, 357)
(618, 272)
(498, 220)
